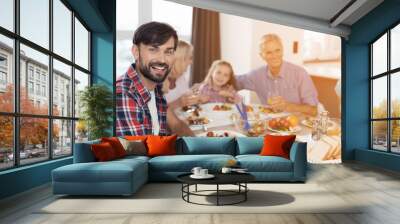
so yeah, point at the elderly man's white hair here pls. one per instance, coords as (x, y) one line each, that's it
(270, 37)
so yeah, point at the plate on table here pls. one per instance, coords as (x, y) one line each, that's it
(290, 130)
(221, 133)
(208, 176)
(265, 111)
(308, 122)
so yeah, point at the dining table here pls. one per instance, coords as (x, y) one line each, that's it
(224, 119)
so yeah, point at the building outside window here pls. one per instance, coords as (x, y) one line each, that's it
(57, 136)
(3, 72)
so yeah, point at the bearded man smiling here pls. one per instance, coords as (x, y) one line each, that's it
(141, 108)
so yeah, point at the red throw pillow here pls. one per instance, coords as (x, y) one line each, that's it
(116, 145)
(103, 152)
(277, 145)
(161, 145)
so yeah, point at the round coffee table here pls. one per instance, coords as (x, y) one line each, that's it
(238, 179)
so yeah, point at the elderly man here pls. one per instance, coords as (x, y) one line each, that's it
(141, 108)
(282, 85)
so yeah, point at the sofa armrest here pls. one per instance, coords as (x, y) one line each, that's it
(83, 152)
(298, 155)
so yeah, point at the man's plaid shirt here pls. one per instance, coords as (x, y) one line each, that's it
(133, 114)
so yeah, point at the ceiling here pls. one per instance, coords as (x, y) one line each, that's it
(327, 16)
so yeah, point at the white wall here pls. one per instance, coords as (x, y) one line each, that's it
(240, 39)
(236, 41)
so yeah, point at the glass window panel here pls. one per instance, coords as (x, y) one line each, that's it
(379, 97)
(395, 94)
(162, 12)
(62, 138)
(395, 136)
(379, 55)
(81, 45)
(7, 14)
(81, 81)
(379, 135)
(35, 21)
(6, 74)
(127, 21)
(39, 62)
(395, 47)
(62, 29)
(81, 131)
(6, 142)
(33, 140)
(62, 89)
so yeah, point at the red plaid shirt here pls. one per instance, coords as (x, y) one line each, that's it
(133, 114)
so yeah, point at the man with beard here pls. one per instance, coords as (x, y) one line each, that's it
(141, 108)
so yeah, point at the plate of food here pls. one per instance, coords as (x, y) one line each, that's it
(195, 120)
(221, 133)
(287, 124)
(308, 122)
(190, 109)
(222, 107)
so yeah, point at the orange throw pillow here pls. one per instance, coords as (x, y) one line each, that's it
(103, 152)
(277, 145)
(161, 145)
(116, 145)
(136, 137)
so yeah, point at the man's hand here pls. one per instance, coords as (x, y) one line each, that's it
(176, 125)
(190, 99)
(279, 104)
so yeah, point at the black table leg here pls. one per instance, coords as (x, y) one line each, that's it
(196, 188)
(217, 194)
(245, 193)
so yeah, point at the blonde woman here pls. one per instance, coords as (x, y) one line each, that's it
(176, 87)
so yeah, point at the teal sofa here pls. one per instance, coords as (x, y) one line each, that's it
(125, 176)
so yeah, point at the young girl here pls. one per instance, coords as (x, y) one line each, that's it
(220, 84)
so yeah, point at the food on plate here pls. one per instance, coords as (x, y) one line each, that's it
(249, 109)
(197, 120)
(257, 128)
(284, 124)
(196, 112)
(213, 134)
(222, 107)
(293, 120)
(190, 108)
(265, 110)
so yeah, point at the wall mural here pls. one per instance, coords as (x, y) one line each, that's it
(289, 84)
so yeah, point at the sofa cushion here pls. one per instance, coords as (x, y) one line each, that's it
(185, 163)
(103, 152)
(112, 171)
(161, 145)
(249, 145)
(257, 163)
(83, 152)
(116, 145)
(134, 147)
(277, 145)
(206, 145)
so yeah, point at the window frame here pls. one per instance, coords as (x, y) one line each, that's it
(388, 74)
(16, 115)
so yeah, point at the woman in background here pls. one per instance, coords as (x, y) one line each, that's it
(176, 86)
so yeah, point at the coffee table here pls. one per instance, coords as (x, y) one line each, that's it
(238, 179)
